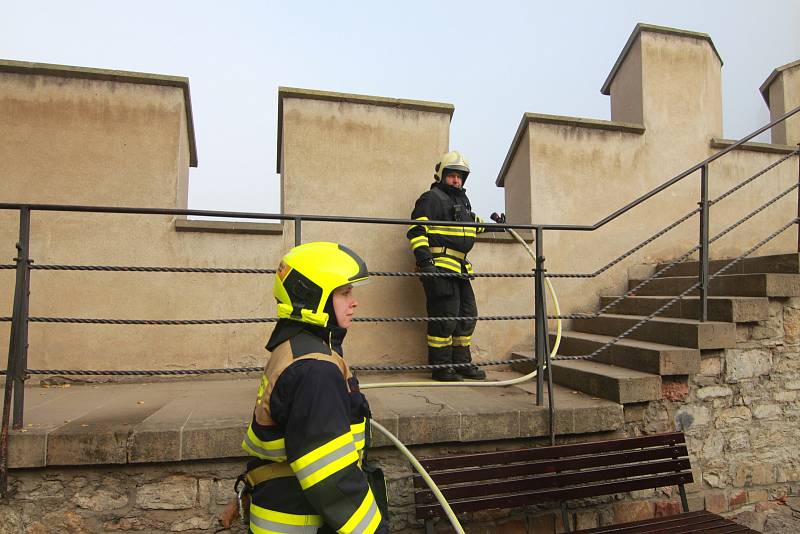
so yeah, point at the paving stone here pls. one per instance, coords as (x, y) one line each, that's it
(27, 449)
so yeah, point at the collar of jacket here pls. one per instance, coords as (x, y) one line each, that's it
(285, 329)
(453, 192)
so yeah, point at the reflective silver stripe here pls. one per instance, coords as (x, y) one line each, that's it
(329, 458)
(272, 453)
(282, 527)
(359, 437)
(361, 528)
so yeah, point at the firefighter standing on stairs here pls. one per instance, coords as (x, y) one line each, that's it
(444, 249)
(310, 423)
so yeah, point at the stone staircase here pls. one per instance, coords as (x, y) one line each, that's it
(669, 345)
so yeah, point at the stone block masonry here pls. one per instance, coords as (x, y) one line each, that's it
(742, 421)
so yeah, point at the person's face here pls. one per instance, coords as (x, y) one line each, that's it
(453, 178)
(344, 305)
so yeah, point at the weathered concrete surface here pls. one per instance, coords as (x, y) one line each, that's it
(666, 330)
(618, 384)
(644, 356)
(781, 91)
(204, 419)
(738, 285)
(767, 263)
(724, 309)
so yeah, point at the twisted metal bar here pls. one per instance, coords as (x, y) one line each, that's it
(628, 253)
(756, 175)
(172, 322)
(216, 270)
(455, 275)
(365, 367)
(114, 268)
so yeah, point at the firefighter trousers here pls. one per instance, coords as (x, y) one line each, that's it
(449, 341)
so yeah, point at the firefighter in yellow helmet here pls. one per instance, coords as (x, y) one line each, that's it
(444, 249)
(310, 423)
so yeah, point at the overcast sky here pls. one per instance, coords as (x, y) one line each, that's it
(493, 60)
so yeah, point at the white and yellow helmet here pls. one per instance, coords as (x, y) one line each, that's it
(452, 160)
(307, 276)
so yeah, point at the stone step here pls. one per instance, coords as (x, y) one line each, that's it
(644, 356)
(726, 309)
(737, 285)
(778, 263)
(666, 330)
(617, 384)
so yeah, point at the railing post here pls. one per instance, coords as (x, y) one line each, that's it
(540, 326)
(17, 346)
(23, 285)
(298, 236)
(703, 274)
(543, 336)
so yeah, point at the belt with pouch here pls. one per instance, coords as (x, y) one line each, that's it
(449, 252)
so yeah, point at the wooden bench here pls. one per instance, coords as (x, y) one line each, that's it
(511, 479)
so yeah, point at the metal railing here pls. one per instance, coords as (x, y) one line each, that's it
(17, 368)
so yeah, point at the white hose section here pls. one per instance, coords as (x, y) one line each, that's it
(451, 516)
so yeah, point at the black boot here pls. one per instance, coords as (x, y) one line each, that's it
(473, 372)
(463, 355)
(446, 375)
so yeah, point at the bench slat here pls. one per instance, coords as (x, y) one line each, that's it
(556, 451)
(427, 511)
(701, 521)
(553, 466)
(555, 480)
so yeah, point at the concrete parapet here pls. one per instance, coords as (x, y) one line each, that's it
(781, 91)
(666, 111)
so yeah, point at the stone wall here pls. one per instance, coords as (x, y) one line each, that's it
(189, 496)
(741, 415)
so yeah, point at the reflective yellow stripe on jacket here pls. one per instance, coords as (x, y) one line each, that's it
(420, 225)
(459, 231)
(274, 450)
(447, 263)
(359, 432)
(326, 460)
(366, 518)
(264, 521)
(420, 241)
